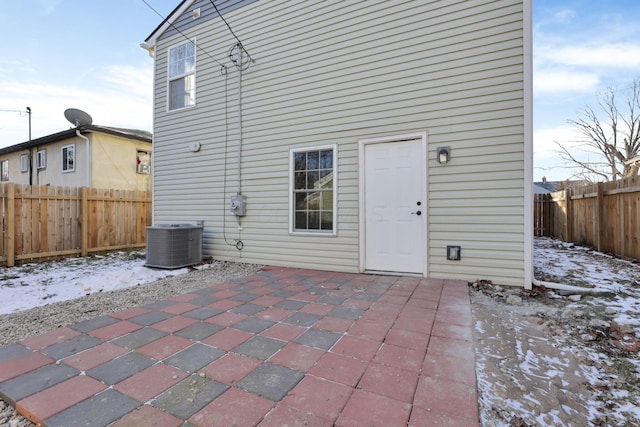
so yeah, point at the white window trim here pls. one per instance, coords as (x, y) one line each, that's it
(41, 154)
(170, 79)
(292, 202)
(24, 163)
(63, 158)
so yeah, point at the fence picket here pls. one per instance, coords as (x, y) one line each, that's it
(49, 222)
(604, 216)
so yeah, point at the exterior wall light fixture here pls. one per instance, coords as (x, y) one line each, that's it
(444, 155)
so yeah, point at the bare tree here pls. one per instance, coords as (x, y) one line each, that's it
(612, 133)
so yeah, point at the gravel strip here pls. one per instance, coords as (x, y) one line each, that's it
(24, 324)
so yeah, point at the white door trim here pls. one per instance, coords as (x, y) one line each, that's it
(361, 191)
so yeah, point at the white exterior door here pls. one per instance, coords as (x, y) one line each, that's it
(394, 200)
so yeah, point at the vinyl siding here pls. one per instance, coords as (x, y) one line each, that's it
(337, 72)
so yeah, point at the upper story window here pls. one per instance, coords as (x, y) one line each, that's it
(313, 190)
(4, 170)
(24, 163)
(41, 159)
(69, 158)
(143, 162)
(181, 76)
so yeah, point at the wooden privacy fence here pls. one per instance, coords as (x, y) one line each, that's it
(605, 216)
(48, 222)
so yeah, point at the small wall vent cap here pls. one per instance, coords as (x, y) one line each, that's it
(453, 253)
(196, 13)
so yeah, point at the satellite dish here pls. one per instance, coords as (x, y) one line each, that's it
(77, 117)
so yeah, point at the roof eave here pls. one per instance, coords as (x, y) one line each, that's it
(150, 42)
(70, 133)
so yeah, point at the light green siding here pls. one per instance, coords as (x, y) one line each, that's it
(335, 72)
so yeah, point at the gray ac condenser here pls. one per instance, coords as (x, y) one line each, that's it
(174, 245)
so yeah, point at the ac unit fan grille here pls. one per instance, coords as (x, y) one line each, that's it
(174, 246)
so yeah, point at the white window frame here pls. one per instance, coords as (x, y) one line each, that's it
(4, 170)
(41, 159)
(65, 165)
(292, 191)
(187, 75)
(24, 163)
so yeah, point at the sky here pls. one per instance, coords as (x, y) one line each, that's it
(86, 54)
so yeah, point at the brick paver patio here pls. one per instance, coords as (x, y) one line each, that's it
(282, 347)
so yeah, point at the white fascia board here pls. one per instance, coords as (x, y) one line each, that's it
(150, 43)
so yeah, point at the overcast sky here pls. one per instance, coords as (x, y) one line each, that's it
(59, 54)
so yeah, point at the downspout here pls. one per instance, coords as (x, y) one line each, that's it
(30, 149)
(88, 166)
(565, 287)
(31, 157)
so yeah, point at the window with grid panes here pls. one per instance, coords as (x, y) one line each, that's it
(313, 190)
(181, 75)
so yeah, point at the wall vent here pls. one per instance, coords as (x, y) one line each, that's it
(174, 245)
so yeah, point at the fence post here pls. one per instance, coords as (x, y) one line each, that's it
(11, 224)
(600, 220)
(84, 224)
(569, 221)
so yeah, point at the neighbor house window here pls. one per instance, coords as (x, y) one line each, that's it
(181, 75)
(41, 159)
(313, 189)
(24, 163)
(143, 162)
(68, 158)
(4, 170)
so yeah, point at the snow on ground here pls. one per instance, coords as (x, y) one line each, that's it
(577, 265)
(36, 284)
(549, 357)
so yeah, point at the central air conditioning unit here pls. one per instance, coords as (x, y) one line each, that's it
(174, 245)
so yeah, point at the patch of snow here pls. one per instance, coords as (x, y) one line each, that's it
(36, 284)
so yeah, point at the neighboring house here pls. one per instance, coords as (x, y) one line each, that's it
(117, 159)
(373, 136)
(544, 187)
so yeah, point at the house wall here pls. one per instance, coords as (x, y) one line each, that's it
(114, 163)
(52, 173)
(336, 72)
(15, 174)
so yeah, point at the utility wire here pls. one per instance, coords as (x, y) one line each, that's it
(229, 27)
(14, 111)
(183, 35)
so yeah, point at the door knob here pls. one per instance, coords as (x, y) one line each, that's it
(416, 213)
